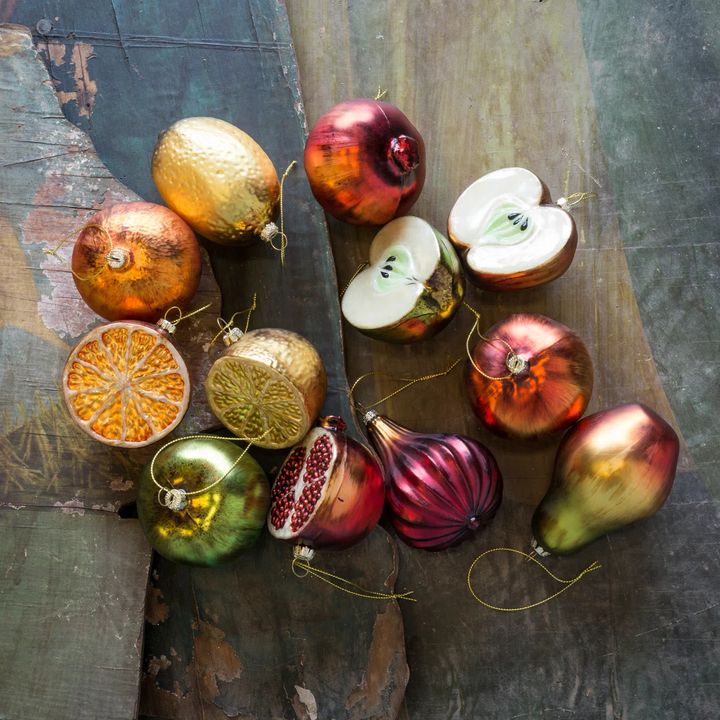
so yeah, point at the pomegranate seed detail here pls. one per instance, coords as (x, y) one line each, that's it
(283, 490)
(300, 483)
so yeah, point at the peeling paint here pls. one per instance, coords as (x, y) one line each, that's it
(214, 660)
(304, 704)
(71, 507)
(85, 87)
(156, 611)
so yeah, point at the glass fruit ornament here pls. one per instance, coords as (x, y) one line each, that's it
(135, 260)
(509, 234)
(329, 492)
(614, 467)
(365, 162)
(202, 500)
(529, 377)
(268, 382)
(218, 179)
(125, 384)
(441, 488)
(412, 287)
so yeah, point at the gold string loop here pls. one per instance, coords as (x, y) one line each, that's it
(301, 568)
(358, 270)
(271, 230)
(409, 382)
(381, 93)
(513, 361)
(569, 202)
(180, 316)
(225, 326)
(566, 583)
(76, 233)
(176, 498)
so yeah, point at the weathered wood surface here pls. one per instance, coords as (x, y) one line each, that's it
(73, 573)
(492, 84)
(235, 63)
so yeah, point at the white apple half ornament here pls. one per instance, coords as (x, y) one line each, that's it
(412, 287)
(508, 233)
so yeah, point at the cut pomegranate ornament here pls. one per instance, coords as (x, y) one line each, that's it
(329, 492)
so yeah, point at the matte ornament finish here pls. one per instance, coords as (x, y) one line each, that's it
(365, 162)
(329, 492)
(509, 236)
(213, 526)
(126, 385)
(217, 178)
(611, 469)
(271, 383)
(144, 261)
(549, 390)
(440, 488)
(413, 287)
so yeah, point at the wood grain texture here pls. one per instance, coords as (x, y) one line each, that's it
(493, 84)
(237, 64)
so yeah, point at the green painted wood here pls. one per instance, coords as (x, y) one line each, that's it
(238, 64)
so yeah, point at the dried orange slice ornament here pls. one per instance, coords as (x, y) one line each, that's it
(125, 384)
(268, 384)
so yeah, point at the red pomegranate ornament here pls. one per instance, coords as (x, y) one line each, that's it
(529, 377)
(441, 488)
(365, 162)
(329, 492)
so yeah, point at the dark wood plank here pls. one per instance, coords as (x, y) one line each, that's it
(493, 84)
(236, 63)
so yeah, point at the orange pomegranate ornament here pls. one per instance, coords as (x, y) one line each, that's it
(125, 384)
(136, 260)
(530, 376)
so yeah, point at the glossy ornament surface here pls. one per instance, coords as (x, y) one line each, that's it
(508, 234)
(412, 288)
(269, 384)
(135, 260)
(208, 528)
(440, 488)
(540, 390)
(329, 492)
(365, 162)
(611, 469)
(217, 178)
(125, 384)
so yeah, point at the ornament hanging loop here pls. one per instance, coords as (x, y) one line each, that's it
(228, 331)
(409, 382)
(271, 230)
(529, 557)
(569, 202)
(169, 326)
(381, 93)
(513, 362)
(301, 568)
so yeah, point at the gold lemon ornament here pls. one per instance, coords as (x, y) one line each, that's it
(218, 179)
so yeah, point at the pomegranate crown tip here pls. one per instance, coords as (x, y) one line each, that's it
(332, 422)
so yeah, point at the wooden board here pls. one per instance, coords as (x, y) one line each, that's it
(237, 64)
(74, 574)
(493, 84)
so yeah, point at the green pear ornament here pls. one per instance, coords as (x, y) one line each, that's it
(611, 469)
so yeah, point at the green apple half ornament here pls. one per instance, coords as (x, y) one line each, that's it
(508, 235)
(412, 287)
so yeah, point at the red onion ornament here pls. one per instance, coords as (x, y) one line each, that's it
(329, 492)
(611, 469)
(529, 377)
(441, 488)
(365, 162)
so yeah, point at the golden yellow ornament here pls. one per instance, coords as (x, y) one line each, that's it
(218, 179)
